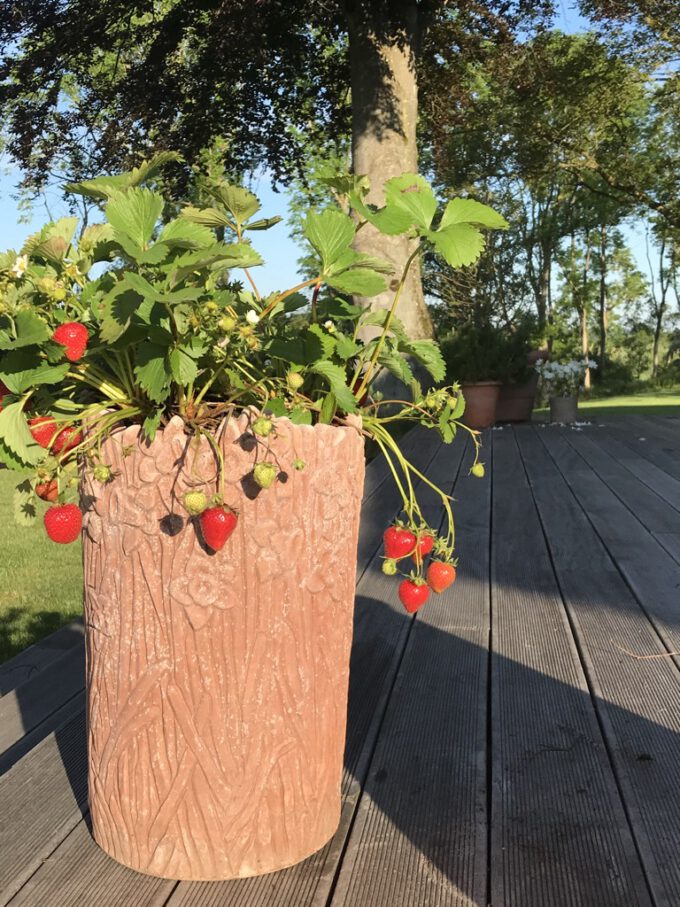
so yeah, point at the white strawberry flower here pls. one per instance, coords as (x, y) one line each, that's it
(252, 317)
(330, 327)
(19, 267)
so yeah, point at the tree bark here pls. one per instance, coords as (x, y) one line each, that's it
(603, 314)
(585, 339)
(383, 45)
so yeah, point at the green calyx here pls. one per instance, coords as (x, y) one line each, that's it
(102, 473)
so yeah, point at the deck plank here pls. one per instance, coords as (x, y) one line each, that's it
(559, 833)
(638, 699)
(420, 833)
(650, 571)
(23, 709)
(27, 664)
(43, 798)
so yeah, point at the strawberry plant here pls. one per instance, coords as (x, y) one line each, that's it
(152, 314)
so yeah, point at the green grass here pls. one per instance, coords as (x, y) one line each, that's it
(40, 582)
(655, 402)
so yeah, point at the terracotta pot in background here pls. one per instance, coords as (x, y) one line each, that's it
(480, 403)
(563, 409)
(217, 682)
(516, 401)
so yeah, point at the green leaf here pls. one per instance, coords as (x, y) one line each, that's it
(276, 406)
(338, 308)
(335, 376)
(446, 426)
(104, 187)
(151, 371)
(237, 255)
(182, 234)
(53, 241)
(30, 329)
(345, 347)
(182, 366)
(391, 221)
(329, 407)
(459, 408)
(15, 435)
(239, 202)
(117, 310)
(300, 416)
(378, 317)
(359, 281)
(319, 344)
(469, 211)
(207, 217)
(264, 224)
(330, 232)
(8, 459)
(135, 213)
(396, 364)
(151, 423)
(458, 244)
(429, 355)
(411, 193)
(24, 504)
(18, 370)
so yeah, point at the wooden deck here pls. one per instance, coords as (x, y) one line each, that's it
(516, 744)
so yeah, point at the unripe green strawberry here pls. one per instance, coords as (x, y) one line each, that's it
(102, 473)
(299, 464)
(389, 567)
(226, 324)
(478, 470)
(262, 427)
(265, 474)
(295, 380)
(211, 306)
(195, 502)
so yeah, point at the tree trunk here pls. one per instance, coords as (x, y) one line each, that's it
(544, 302)
(585, 339)
(658, 327)
(383, 44)
(604, 319)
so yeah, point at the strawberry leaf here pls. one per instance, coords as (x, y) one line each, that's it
(335, 376)
(359, 281)
(15, 435)
(469, 211)
(25, 511)
(151, 371)
(135, 213)
(458, 244)
(330, 233)
(411, 193)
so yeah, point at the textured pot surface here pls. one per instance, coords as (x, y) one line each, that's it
(217, 682)
(563, 409)
(480, 403)
(516, 401)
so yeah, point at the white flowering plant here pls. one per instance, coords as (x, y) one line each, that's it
(563, 379)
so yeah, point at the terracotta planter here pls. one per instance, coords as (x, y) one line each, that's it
(516, 401)
(217, 683)
(481, 399)
(563, 409)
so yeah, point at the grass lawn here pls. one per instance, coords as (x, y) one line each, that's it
(653, 403)
(40, 582)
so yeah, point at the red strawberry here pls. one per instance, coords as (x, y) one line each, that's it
(217, 524)
(425, 545)
(63, 523)
(398, 542)
(440, 575)
(44, 429)
(74, 336)
(48, 491)
(413, 595)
